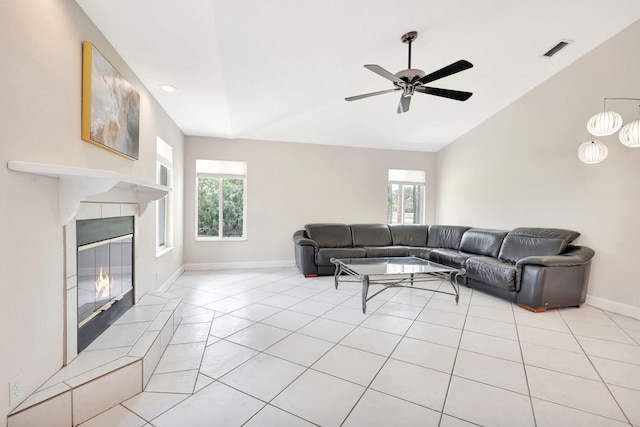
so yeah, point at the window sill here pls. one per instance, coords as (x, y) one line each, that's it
(221, 239)
(163, 251)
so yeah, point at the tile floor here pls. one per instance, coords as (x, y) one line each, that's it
(271, 348)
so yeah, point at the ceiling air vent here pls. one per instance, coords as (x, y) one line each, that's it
(557, 48)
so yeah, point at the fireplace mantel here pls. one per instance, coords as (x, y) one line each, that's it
(76, 185)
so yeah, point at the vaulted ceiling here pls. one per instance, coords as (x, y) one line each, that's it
(280, 69)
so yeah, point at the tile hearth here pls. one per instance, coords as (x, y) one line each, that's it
(271, 348)
(115, 367)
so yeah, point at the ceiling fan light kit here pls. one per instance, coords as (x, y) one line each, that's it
(607, 123)
(412, 80)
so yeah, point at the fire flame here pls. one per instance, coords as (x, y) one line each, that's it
(103, 285)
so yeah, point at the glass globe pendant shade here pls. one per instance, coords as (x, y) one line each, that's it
(591, 152)
(630, 134)
(605, 123)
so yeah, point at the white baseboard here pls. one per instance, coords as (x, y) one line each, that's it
(238, 265)
(171, 279)
(614, 306)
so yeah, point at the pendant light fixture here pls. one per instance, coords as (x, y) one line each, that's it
(630, 134)
(607, 123)
(592, 151)
(604, 123)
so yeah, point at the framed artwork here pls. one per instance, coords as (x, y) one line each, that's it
(110, 105)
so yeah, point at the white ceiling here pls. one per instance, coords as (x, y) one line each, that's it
(280, 69)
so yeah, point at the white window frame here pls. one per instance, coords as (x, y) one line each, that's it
(405, 177)
(164, 159)
(221, 169)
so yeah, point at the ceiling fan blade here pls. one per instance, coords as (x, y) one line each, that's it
(403, 106)
(384, 73)
(445, 93)
(367, 95)
(450, 69)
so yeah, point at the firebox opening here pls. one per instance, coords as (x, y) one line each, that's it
(105, 274)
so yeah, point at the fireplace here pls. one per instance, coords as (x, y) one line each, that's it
(105, 266)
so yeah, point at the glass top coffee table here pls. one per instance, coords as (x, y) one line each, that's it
(398, 272)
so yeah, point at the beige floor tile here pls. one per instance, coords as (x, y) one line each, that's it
(301, 349)
(563, 361)
(319, 398)
(435, 333)
(228, 407)
(223, 356)
(149, 405)
(263, 376)
(575, 392)
(486, 405)
(350, 364)
(491, 370)
(270, 416)
(371, 340)
(406, 381)
(377, 409)
(491, 346)
(429, 355)
(549, 414)
(116, 416)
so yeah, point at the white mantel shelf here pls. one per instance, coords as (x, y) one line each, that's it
(76, 185)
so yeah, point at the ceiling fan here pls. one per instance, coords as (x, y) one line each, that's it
(413, 80)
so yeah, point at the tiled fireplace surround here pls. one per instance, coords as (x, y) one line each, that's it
(119, 363)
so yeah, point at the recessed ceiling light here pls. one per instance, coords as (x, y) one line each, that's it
(168, 88)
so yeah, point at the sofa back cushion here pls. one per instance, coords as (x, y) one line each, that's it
(409, 234)
(514, 248)
(370, 235)
(330, 235)
(531, 241)
(552, 233)
(527, 241)
(482, 241)
(445, 236)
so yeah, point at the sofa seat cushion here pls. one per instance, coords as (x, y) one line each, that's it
(419, 252)
(492, 271)
(448, 257)
(324, 255)
(330, 235)
(386, 251)
(413, 235)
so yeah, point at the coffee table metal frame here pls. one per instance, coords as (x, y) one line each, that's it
(396, 272)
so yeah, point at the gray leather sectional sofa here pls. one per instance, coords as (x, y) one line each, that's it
(537, 268)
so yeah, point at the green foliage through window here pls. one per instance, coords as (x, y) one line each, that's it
(405, 203)
(220, 202)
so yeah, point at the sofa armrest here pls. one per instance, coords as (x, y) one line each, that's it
(554, 281)
(305, 252)
(300, 238)
(573, 256)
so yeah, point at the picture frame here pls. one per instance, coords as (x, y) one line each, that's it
(110, 105)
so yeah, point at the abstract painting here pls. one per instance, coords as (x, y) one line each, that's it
(110, 105)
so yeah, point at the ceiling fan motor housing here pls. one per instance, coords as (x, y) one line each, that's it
(410, 75)
(413, 80)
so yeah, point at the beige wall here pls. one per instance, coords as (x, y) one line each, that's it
(290, 185)
(520, 168)
(40, 87)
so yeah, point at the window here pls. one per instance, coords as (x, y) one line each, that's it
(221, 199)
(164, 170)
(406, 195)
